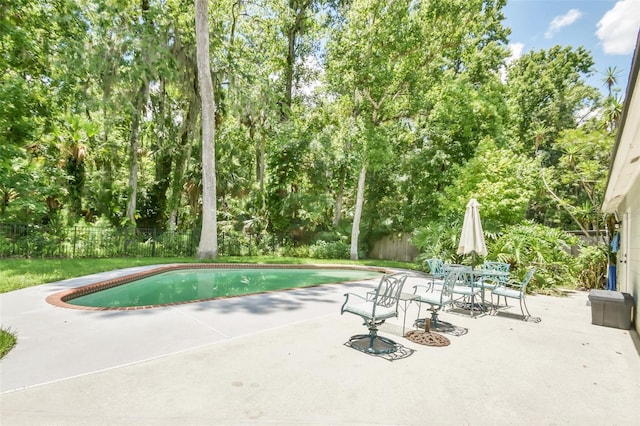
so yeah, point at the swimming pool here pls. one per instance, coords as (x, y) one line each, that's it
(177, 284)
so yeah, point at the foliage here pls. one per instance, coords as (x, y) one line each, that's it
(547, 249)
(592, 267)
(438, 240)
(501, 180)
(578, 180)
(329, 250)
(100, 119)
(7, 342)
(522, 246)
(545, 91)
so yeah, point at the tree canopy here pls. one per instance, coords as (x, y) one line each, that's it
(332, 118)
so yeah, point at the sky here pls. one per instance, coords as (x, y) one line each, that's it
(607, 28)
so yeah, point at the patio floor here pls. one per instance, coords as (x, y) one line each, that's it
(280, 358)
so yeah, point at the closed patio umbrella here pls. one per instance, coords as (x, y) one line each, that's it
(472, 238)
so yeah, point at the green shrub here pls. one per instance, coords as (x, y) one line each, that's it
(592, 267)
(437, 241)
(295, 251)
(329, 250)
(548, 249)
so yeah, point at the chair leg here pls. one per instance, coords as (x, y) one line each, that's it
(434, 318)
(506, 304)
(372, 343)
(524, 303)
(470, 301)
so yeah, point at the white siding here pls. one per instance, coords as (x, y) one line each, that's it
(629, 254)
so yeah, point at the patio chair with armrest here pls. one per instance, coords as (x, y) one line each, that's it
(513, 289)
(375, 309)
(467, 288)
(437, 300)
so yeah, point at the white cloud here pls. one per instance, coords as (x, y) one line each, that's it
(562, 21)
(618, 28)
(516, 51)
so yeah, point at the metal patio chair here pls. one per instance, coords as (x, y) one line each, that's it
(513, 289)
(437, 300)
(436, 269)
(375, 308)
(492, 282)
(467, 288)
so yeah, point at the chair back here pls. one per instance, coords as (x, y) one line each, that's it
(435, 267)
(527, 279)
(453, 277)
(388, 291)
(496, 266)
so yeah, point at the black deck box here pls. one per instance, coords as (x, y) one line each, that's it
(611, 308)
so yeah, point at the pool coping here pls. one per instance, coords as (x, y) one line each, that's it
(60, 299)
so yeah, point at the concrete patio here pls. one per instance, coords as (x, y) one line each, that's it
(280, 358)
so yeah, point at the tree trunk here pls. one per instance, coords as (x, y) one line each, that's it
(337, 214)
(177, 183)
(208, 248)
(355, 230)
(134, 147)
(261, 159)
(156, 212)
(299, 7)
(134, 133)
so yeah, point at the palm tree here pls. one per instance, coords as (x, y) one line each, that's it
(611, 78)
(540, 132)
(612, 112)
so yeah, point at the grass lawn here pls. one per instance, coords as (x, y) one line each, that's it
(21, 273)
(7, 342)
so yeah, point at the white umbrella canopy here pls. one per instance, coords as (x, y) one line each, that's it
(472, 238)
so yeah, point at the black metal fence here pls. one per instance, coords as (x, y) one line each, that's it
(95, 242)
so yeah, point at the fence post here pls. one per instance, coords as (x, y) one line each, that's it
(153, 244)
(75, 236)
(14, 239)
(193, 234)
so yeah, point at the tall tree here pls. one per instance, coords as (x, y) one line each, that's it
(294, 28)
(398, 60)
(41, 76)
(578, 182)
(208, 248)
(370, 62)
(610, 78)
(547, 88)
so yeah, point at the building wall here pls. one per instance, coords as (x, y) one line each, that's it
(628, 276)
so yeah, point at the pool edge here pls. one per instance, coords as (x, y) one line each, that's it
(59, 299)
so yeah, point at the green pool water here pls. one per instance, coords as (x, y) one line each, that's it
(186, 285)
